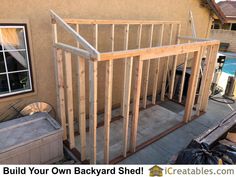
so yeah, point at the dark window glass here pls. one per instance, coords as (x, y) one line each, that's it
(3, 84)
(19, 81)
(216, 26)
(16, 61)
(2, 64)
(233, 27)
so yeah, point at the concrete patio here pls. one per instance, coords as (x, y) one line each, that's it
(162, 151)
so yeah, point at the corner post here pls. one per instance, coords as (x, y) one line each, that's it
(93, 110)
(192, 86)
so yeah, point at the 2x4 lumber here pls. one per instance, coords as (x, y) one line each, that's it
(95, 39)
(126, 103)
(193, 38)
(69, 95)
(93, 79)
(127, 92)
(54, 33)
(203, 80)
(197, 75)
(191, 86)
(156, 52)
(112, 37)
(146, 74)
(59, 75)
(61, 91)
(81, 102)
(118, 22)
(209, 78)
(93, 110)
(183, 77)
(172, 79)
(136, 102)
(126, 45)
(139, 38)
(166, 68)
(108, 101)
(157, 65)
(94, 53)
(127, 88)
(74, 50)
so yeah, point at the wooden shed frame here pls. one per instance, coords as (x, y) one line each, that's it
(89, 53)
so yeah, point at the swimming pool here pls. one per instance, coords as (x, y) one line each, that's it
(230, 66)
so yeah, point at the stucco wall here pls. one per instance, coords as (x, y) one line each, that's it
(225, 36)
(37, 12)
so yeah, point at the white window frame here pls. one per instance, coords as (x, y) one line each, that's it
(11, 93)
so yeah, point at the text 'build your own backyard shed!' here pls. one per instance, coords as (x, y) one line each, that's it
(138, 120)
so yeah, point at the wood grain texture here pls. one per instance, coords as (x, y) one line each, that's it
(81, 102)
(192, 86)
(157, 65)
(136, 102)
(61, 91)
(69, 96)
(166, 68)
(93, 111)
(146, 74)
(108, 101)
(173, 70)
(126, 103)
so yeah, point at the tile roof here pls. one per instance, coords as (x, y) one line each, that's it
(216, 9)
(228, 8)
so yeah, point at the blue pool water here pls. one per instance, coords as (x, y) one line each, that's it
(230, 66)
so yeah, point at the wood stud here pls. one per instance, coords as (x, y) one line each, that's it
(59, 75)
(93, 76)
(175, 60)
(108, 100)
(166, 68)
(157, 65)
(146, 74)
(136, 97)
(82, 101)
(126, 62)
(69, 95)
(181, 89)
(207, 85)
(192, 86)
(61, 91)
(203, 80)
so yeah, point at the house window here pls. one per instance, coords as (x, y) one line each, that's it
(216, 26)
(233, 27)
(15, 72)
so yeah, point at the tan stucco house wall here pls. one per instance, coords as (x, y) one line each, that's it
(225, 36)
(37, 14)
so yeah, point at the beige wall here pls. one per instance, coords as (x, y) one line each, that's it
(225, 36)
(37, 12)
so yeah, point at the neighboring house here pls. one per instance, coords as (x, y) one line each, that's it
(26, 63)
(226, 32)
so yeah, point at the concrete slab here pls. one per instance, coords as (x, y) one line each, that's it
(152, 122)
(170, 145)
